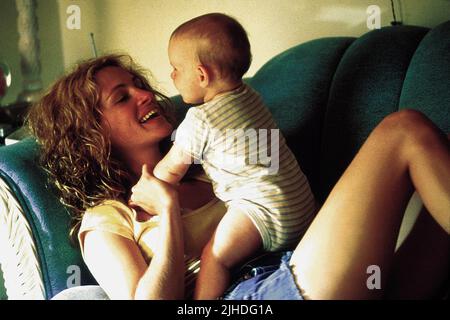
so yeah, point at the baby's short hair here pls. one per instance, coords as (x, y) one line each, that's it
(222, 43)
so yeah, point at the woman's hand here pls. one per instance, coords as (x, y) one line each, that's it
(151, 194)
(164, 277)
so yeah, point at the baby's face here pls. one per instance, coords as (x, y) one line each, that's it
(185, 74)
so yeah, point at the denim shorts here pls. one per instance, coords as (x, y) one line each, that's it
(267, 278)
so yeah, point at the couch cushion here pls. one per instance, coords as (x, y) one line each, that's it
(426, 86)
(365, 89)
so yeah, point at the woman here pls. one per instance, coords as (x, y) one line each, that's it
(101, 129)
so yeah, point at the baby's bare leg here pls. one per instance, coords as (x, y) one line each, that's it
(358, 225)
(235, 240)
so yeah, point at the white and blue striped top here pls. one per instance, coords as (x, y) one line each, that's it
(245, 155)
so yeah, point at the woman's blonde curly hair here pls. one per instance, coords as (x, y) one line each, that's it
(74, 149)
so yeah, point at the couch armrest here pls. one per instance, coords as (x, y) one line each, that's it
(47, 219)
(22, 276)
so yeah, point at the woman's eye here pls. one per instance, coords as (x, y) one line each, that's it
(123, 98)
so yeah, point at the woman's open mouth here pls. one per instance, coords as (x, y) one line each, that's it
(152, 114)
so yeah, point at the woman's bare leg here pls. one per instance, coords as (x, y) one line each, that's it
(357, 227)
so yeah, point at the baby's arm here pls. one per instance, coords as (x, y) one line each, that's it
(235, 240)
(173, 166)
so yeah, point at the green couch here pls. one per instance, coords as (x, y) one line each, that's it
(326, 95)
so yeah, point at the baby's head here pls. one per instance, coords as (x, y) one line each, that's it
(207, 51)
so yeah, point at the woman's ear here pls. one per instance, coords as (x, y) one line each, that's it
(204, 76)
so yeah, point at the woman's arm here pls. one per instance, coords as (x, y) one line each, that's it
(117, 262)
(120, 269)
(164, 278)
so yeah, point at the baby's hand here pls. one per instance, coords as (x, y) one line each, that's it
(152, 194)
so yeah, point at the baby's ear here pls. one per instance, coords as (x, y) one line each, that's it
(204, 76)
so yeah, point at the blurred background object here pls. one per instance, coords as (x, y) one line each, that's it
(12, 114)
(5, 130)
(29, 50)
(5, 82)
(5, 79)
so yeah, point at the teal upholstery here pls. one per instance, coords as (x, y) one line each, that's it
(3, 295)
(326, 96)
(367, 86)
(426, 85)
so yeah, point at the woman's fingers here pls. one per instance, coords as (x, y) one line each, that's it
(150, 193)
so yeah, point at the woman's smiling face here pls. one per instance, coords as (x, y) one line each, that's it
(129, 111)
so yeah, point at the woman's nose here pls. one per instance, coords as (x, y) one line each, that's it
(144, 96)
(172, 75)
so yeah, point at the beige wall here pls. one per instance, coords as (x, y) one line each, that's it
(142, 27)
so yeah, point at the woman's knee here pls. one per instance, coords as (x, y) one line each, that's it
(412, 126)
(406, 120)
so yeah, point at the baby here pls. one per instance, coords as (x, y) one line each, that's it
(268, 198)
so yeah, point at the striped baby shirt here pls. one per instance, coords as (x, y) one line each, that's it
(252, 169)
